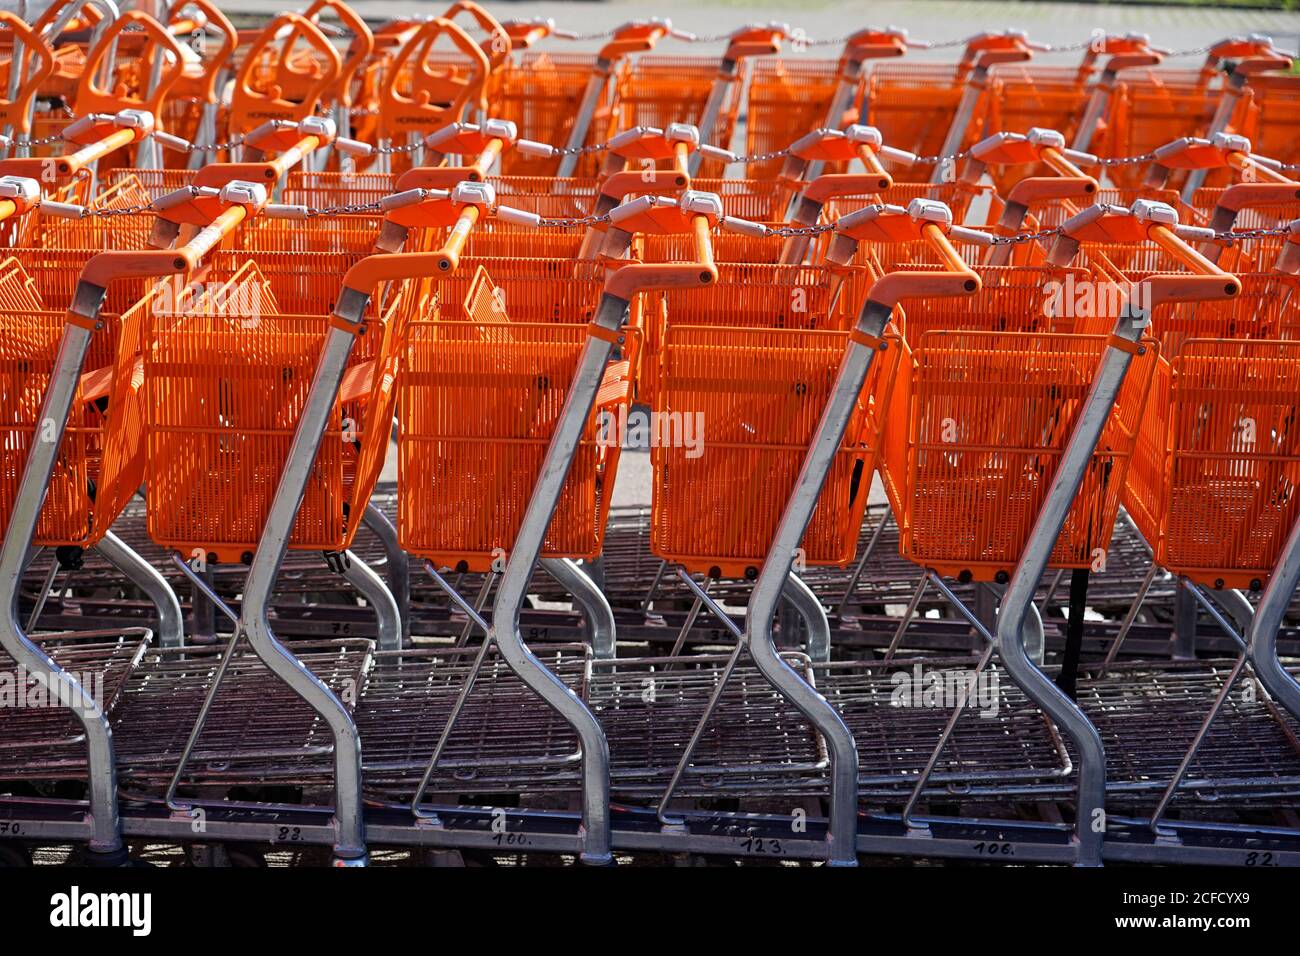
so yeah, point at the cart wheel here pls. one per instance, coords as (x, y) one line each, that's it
(14, 855)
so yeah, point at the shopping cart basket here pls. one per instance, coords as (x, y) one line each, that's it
(84, 327)
(938, 110)
(788, 97)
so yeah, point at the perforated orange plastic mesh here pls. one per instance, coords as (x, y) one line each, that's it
(738, 408)
(224, 391)
(18, 290)
(1148, 109)
(912, 105)
(1269, 116)
(486, 372)
(1214, 483)
(975, 432)
(1022, 97)
(660, 90)
(88, 484)
(786, 99)
(541, 94)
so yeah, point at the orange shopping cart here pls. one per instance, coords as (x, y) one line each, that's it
(662, 90)
(55, 483)
(934, 110)
(788, 97)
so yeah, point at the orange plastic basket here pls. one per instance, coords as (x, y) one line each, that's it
(741, 374)
(912, 104)
(223, 391)
(99, 466)
(757, 396)
(1022, 97)
(1146, 110)
(786, 99)
(660, 90)
(1270, 116)
(1215, 478)
(977, 426)
(486, 372)
(541, 94)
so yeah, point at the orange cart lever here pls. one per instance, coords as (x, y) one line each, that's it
(1221, 151)
(15, 112)
(1147, 221)
(694, 214)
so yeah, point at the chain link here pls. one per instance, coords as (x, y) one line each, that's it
(1193, 51)
(215, 147)
(1128, 160)
(393, 150)
(761, 157)
(573, 222)
(579, 150)
(1230, 236)
(43, 141)
(583, 37)
(1023, 237)
(937, 160)
(350, 209)
(137, 210)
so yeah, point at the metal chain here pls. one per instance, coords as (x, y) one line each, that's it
(582, 37)
(137, 210)
(935, 160)
(392, 150)
(1128, 160)
(1023, 237)
(579, 150)
(1194, 51)
(949, 44)
(761, 157)
(828, 41)
(573, 222)
(351, 209)
(1069, 47)
(215, 147)
(1246, 235)
(43, 141)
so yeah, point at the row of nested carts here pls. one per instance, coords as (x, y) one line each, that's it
(970, 388)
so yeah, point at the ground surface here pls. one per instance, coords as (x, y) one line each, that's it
(1174, 27)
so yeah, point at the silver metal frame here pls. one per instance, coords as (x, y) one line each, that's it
(105, 837)
(254, 623)
(171, 622)
(1090, 821)
(505, 632)
(597, 613)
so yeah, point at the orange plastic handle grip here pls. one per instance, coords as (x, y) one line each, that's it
(92, 98)
(359, 50)
(436, 93)
(216, 63)
(249, 107)
(497, 44)
(14, 112)
(958, 279)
